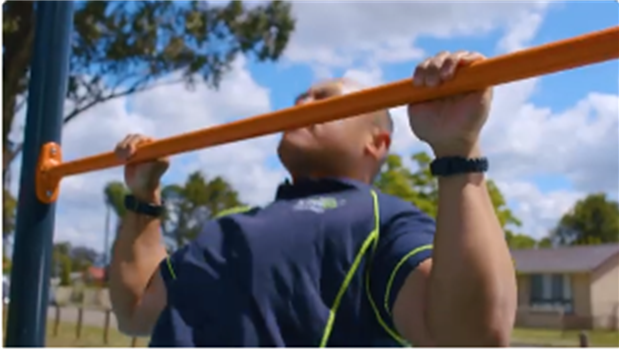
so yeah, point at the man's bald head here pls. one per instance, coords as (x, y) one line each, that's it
(343, 86)
(353, 147)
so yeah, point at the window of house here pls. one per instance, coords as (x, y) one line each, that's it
(551, 291)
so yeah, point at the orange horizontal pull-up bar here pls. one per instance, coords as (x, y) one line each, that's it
(557, 56)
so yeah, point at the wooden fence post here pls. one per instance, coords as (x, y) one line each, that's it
(134, 342)
(106, 326)
(80, 319)
(56, 320)
(583, 339)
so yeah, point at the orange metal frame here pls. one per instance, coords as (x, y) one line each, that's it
(557, 56)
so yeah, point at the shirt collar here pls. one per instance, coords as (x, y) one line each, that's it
(309, 187)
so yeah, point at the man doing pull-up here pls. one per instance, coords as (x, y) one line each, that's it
(331, 261)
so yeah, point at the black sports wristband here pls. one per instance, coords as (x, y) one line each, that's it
(135, 205)
(449, 166)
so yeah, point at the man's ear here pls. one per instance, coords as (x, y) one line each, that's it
(378, 145)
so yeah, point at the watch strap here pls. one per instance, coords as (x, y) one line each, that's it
(450, 166)
(137, 206)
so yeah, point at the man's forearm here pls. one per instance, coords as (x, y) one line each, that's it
(136, 255)
(472, 291)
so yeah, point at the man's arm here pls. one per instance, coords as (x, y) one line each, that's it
(468, 290)
(471, 257)
(137, 291)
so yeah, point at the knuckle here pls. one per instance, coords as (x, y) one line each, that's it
(451, 59)
(435, 64)
(443, 53)
(422, 67)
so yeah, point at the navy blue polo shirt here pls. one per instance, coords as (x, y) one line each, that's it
(319, 266)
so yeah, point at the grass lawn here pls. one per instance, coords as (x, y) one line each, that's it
(93, 337)
(551, 337)
(90, 337)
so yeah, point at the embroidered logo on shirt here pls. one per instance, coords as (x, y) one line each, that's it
(318, 204)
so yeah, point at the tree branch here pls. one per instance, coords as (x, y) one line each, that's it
(76, 111)
(136, 88)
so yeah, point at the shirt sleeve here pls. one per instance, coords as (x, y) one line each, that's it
(405, 241)
(186, 264)
(170, 265)
(191, 255)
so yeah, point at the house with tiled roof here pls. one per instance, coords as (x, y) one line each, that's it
(568, 287)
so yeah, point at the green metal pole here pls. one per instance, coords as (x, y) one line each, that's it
(34, 231)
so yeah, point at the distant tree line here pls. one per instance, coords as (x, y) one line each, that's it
(68, 259)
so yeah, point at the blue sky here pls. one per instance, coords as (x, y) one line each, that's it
(563, 21)
(557, 91)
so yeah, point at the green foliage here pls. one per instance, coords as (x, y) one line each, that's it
(592, 220)
(420, 188)
(82, 258)
(519, 241)
(416, 184)
(9, 211)
(545, 242)
(189, 205)
(61, 258)
(67, 259)
(114, 194)
(65, 271)
(505, 215)
(124, 47)
(6, 265)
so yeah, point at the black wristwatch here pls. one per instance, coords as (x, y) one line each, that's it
(449, 166)
(135, 205)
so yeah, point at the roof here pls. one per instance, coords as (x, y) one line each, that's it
(97, 273)
(563, 259)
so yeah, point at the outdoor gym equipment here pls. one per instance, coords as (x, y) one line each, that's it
(43, 168)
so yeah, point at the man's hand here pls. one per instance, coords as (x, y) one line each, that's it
(137, 290)
(451, 125)
(141, 178)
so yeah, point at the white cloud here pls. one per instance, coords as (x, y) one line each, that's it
(521, 30)
(579, 143)
(347, 33)
(539, 212)
(163, 112)
(244, 164)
